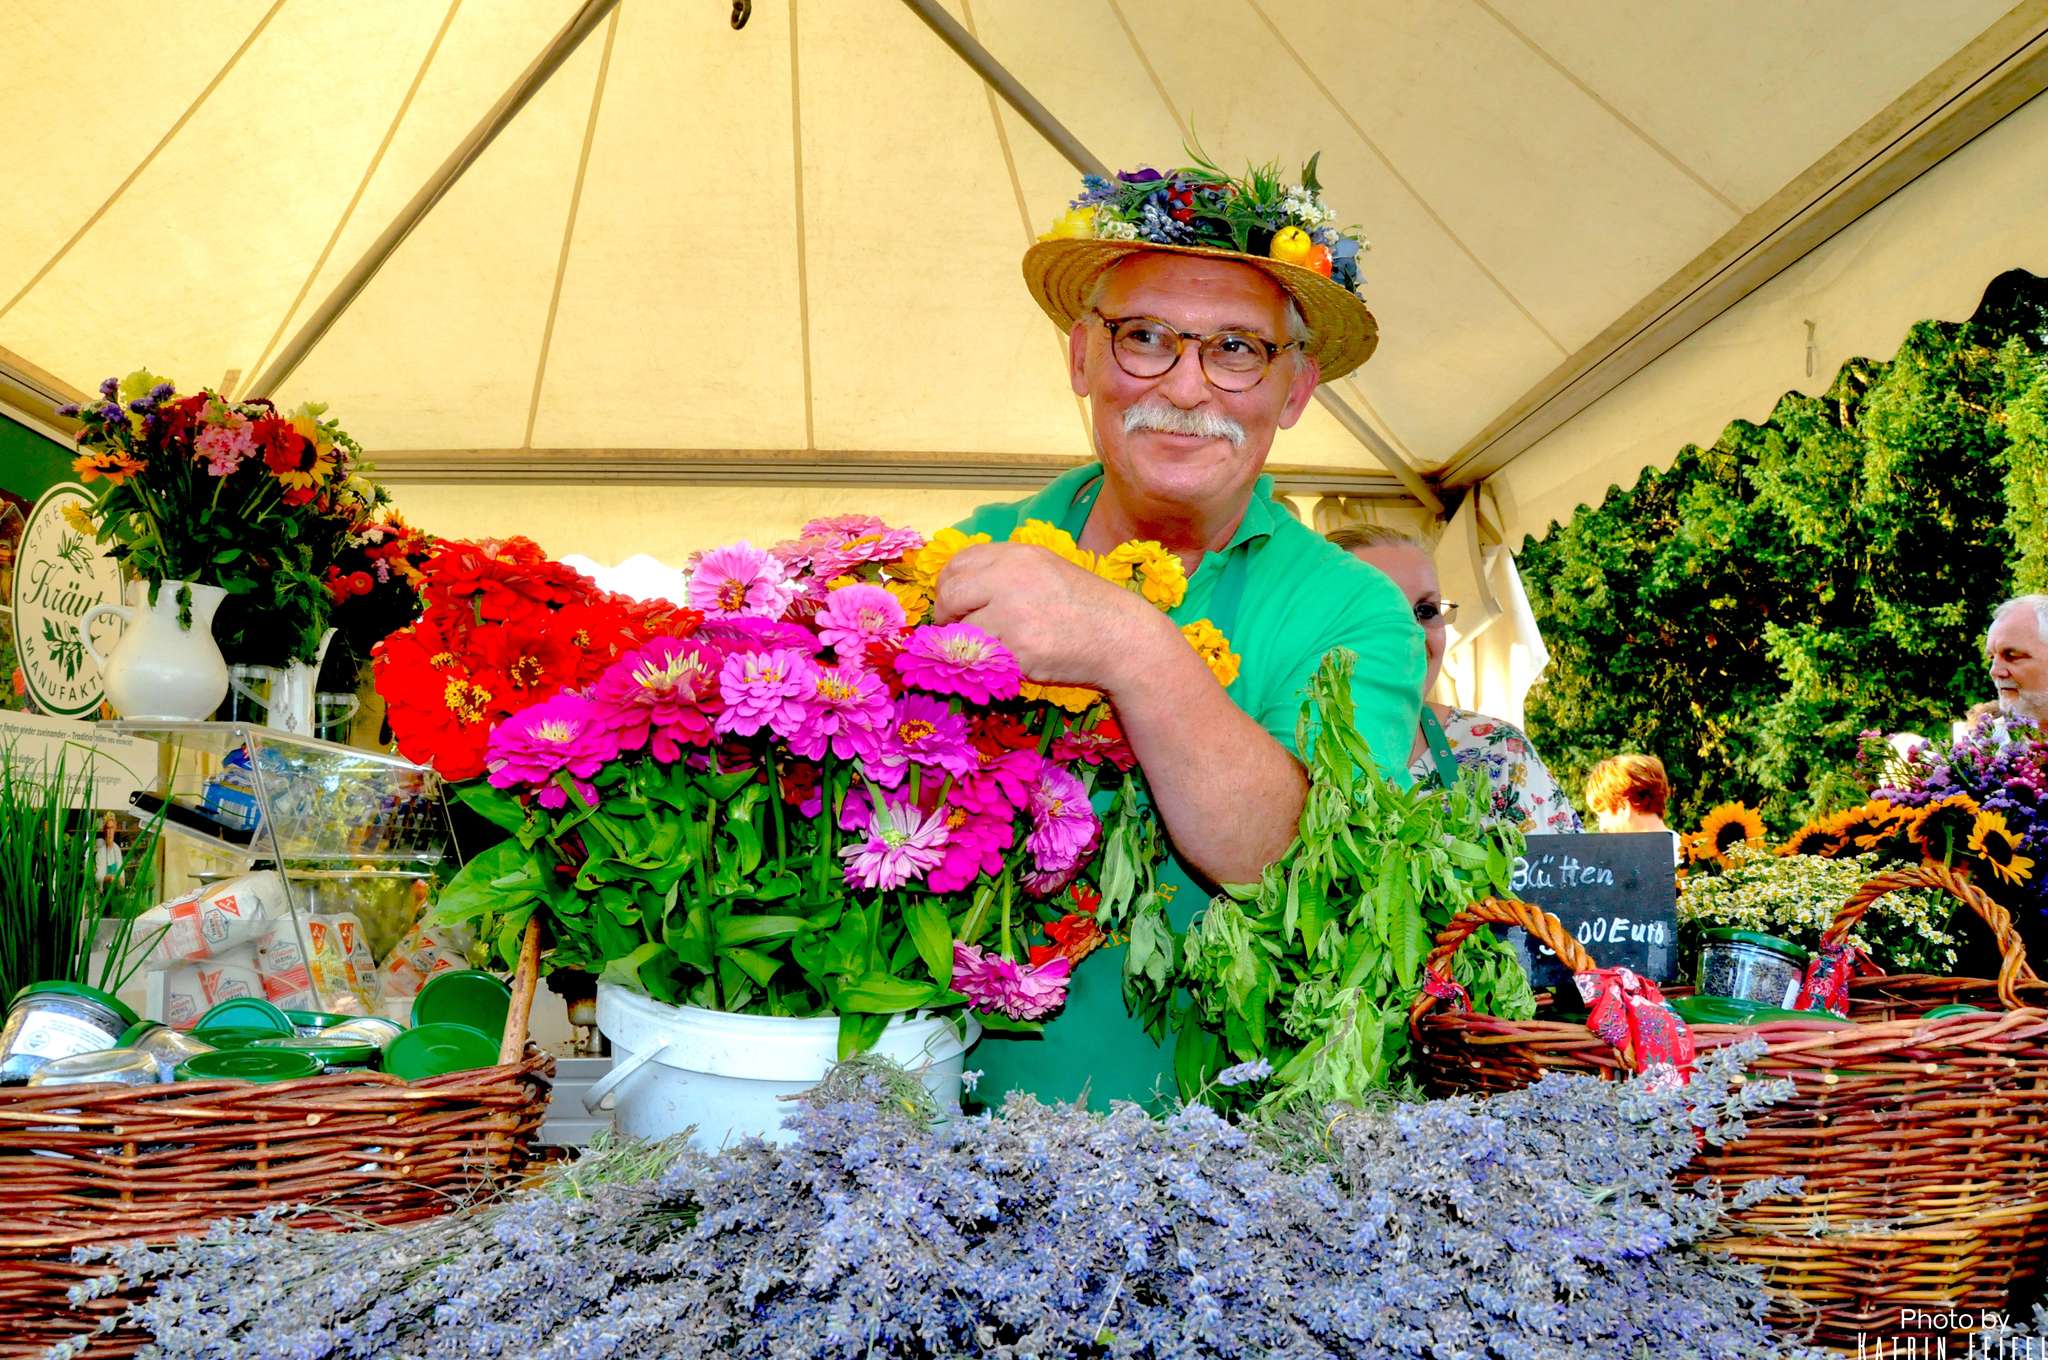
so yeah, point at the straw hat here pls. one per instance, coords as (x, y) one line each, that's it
(1209, 213)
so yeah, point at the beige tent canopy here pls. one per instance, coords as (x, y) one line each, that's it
(614, 274)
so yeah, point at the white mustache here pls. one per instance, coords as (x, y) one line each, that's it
(1166, 418)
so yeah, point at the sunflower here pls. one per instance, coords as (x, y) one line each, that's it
(113, 464)
(1726, 827)
(1992, 841)
(1815, 838)
(1883, 824)
(1944, 826)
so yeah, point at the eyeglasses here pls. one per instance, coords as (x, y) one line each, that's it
(1436, 613)
(1232, 361)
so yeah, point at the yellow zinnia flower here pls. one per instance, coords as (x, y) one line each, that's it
(1214, 649)
(75, 516)
(1992, 841)
(1072, 698)
(1054, 540)
(1157, 573)
(915, 599)
(922, 566)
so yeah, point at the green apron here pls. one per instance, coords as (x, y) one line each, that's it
(1093, 1047)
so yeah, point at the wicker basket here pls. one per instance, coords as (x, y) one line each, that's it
(110, 1165)
(1924, 1143)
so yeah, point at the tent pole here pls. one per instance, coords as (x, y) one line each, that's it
(559, 49)
(1035, 113)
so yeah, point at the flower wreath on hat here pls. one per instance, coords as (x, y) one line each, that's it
(1284, 229)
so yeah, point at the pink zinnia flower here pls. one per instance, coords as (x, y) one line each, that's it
(1040, 883)
(226, 445)
(1063, 826)
(872, 545)
(900, 845)
(854, 616)
(563, 735)
(1002, 783)
(746, 634)
(974, 846)
(667, 691)
(846, 709)
(739, 581)
(925, 731)
(763, 689)
(991, 982)
(958, 658)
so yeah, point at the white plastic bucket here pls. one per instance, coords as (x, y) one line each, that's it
(678, 1067)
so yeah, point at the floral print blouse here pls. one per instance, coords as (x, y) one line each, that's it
(1523, 791)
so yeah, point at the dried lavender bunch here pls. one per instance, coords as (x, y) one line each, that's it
(1537, 1224)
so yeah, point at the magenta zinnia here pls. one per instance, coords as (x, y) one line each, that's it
(991, 982)
(565, 735)
(974, 846)
(958, 658)
(739, 581)
(846, 709)
(854, 616)
(901, 844)
(665, 693)
(764, 689)
(1063, 825)
(925, 731)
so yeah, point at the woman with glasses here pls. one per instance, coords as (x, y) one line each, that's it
(1449, 739)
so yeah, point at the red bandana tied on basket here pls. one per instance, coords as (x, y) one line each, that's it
(1631, 1015)
(1828, 975)
(1446, 989)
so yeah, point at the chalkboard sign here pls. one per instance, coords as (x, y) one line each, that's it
(1617, 894)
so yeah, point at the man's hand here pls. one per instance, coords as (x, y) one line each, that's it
(1067, 626)
(1229, 794)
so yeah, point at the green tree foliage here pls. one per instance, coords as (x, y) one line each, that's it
(1747, 612)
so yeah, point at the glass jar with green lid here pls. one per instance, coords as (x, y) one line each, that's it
(248, 1064)
(1749, 965)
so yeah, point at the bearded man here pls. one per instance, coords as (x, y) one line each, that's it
(1200, 314)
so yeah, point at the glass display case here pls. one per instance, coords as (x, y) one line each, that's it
(325, 837)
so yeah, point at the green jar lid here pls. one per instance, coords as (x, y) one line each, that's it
(328, 1052)
(246, 1012)
(436, 1049)
(467, 996)
(316, 1020)
(1729, 1010)
(248, 1064)
(79, 989)
(1725, 934)
(135, 1032)
(233, 1036)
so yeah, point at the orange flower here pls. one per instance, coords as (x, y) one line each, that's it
(112, 464)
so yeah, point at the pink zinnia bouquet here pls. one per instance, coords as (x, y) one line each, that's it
(819, 800)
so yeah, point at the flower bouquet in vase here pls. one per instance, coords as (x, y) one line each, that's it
(792, 819)
(220, 501)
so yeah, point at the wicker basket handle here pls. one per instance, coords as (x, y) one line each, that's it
(1498, 911)
(524, 980)
(2012, 966)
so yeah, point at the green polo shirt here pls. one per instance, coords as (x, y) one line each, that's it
(1302, 597)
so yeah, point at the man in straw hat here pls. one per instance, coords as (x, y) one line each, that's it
(1200, 312)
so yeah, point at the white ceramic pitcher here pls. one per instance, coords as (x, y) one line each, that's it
(162, 670)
